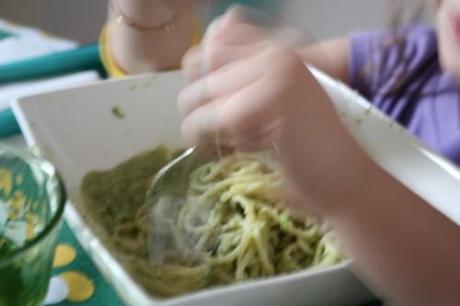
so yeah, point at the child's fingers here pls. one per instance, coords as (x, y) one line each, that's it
(225, 81)
(243, 101)
(229, 39)
(231, 120)
(201, 126)
(202, 59)
(269, 97)
(192, 64)
(229, 32)
(206, 127)
(217, 56)
(254, 140)
(248, 112)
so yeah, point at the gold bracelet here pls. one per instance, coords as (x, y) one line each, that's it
(122, 19)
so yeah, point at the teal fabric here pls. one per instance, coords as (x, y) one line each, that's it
(81, 59)
(4, 34)
(55, 64)
(8, 124)
(104, 294)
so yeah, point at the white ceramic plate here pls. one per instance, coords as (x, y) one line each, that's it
(77, 131)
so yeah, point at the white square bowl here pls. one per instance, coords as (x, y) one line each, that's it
(77, 131)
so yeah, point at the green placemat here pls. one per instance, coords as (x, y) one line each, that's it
(57, 64)
(76, 280)
(85, 285)
(80, 59)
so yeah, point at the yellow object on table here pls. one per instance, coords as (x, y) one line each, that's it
(106, 54)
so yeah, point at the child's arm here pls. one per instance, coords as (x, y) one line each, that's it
(138, 50)
(403, 247)
(331, 56)
(258, 94)
(147, 35)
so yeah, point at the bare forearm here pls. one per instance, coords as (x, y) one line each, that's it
(167, 33)
(330, 56)
(401, 244)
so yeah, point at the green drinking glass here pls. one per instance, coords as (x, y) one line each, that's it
(32, 201)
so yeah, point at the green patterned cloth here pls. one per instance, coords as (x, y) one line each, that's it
(103, 293)
(76, 280)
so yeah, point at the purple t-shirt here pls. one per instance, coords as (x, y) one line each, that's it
(403, 78)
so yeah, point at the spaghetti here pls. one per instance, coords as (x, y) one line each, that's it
(244, 234)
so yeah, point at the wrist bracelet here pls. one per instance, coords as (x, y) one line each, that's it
(122, 19)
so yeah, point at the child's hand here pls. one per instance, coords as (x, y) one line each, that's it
(258, 94)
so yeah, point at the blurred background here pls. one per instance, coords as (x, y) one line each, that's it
(81, 20)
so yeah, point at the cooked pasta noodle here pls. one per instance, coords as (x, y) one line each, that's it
(233, 215)
(246, 233)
